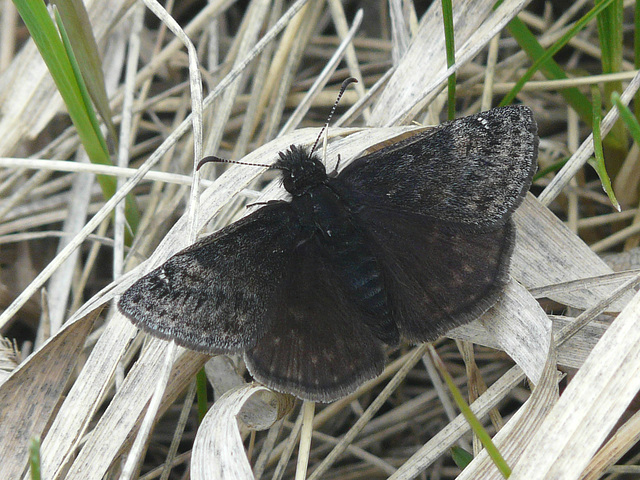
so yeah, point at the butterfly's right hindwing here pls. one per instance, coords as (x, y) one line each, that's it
(321, 347)
(439, 275)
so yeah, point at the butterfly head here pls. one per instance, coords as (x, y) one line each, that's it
(301, 170)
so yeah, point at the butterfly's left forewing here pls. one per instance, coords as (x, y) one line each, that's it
(474, 170)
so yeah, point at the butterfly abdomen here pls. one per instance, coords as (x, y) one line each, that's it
(349, 257)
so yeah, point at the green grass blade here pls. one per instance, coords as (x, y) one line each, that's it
(610, 35)
(561, 42)
(554, 167)
(636, 51)
(610, 31)
(627, 117)
(84, 94)
(34, 459)
(473, 421)
(48, 40)
(201, 394)
(461, 457)
(550, 69)
(80, 34)
(599, 164)
(447, 17)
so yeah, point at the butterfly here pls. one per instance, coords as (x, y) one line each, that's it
(406, 242)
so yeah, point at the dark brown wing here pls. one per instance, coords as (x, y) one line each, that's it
(262, 287)
(438, 275)
(474, 170)
(220, 294)
(320, 348)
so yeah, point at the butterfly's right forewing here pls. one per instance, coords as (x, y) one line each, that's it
(220, 295)
(437, 207)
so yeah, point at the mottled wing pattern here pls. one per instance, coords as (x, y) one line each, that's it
(220, 294)
(438, 275)
(474, 170)
(320, 348)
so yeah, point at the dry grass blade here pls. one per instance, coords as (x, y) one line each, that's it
(513, 439)
(570, 354)
(219, 451)
(32, 392)
(274, 66)
(522, 329)
(441, 442)
(548, 252)
(620, 443)
(60, 283)
(580, 157)
(368, 414)
(475, 23)
(27, 93)
(308, 409)
(122, 417)
(590, 406)
(84, 398)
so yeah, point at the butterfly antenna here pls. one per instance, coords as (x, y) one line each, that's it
(343, 87)
(214, 159)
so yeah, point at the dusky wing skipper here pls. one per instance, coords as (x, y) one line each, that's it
(407, 242)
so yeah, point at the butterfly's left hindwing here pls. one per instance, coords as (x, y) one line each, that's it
(263, 286)
(220, 294)
(438, 275)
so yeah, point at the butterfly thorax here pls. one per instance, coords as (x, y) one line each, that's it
(329, 222)
(301, 170)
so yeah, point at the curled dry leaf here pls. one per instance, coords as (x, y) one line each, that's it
(218, 451)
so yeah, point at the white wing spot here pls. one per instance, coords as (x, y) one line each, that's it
(484, 122)
(163, 276)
